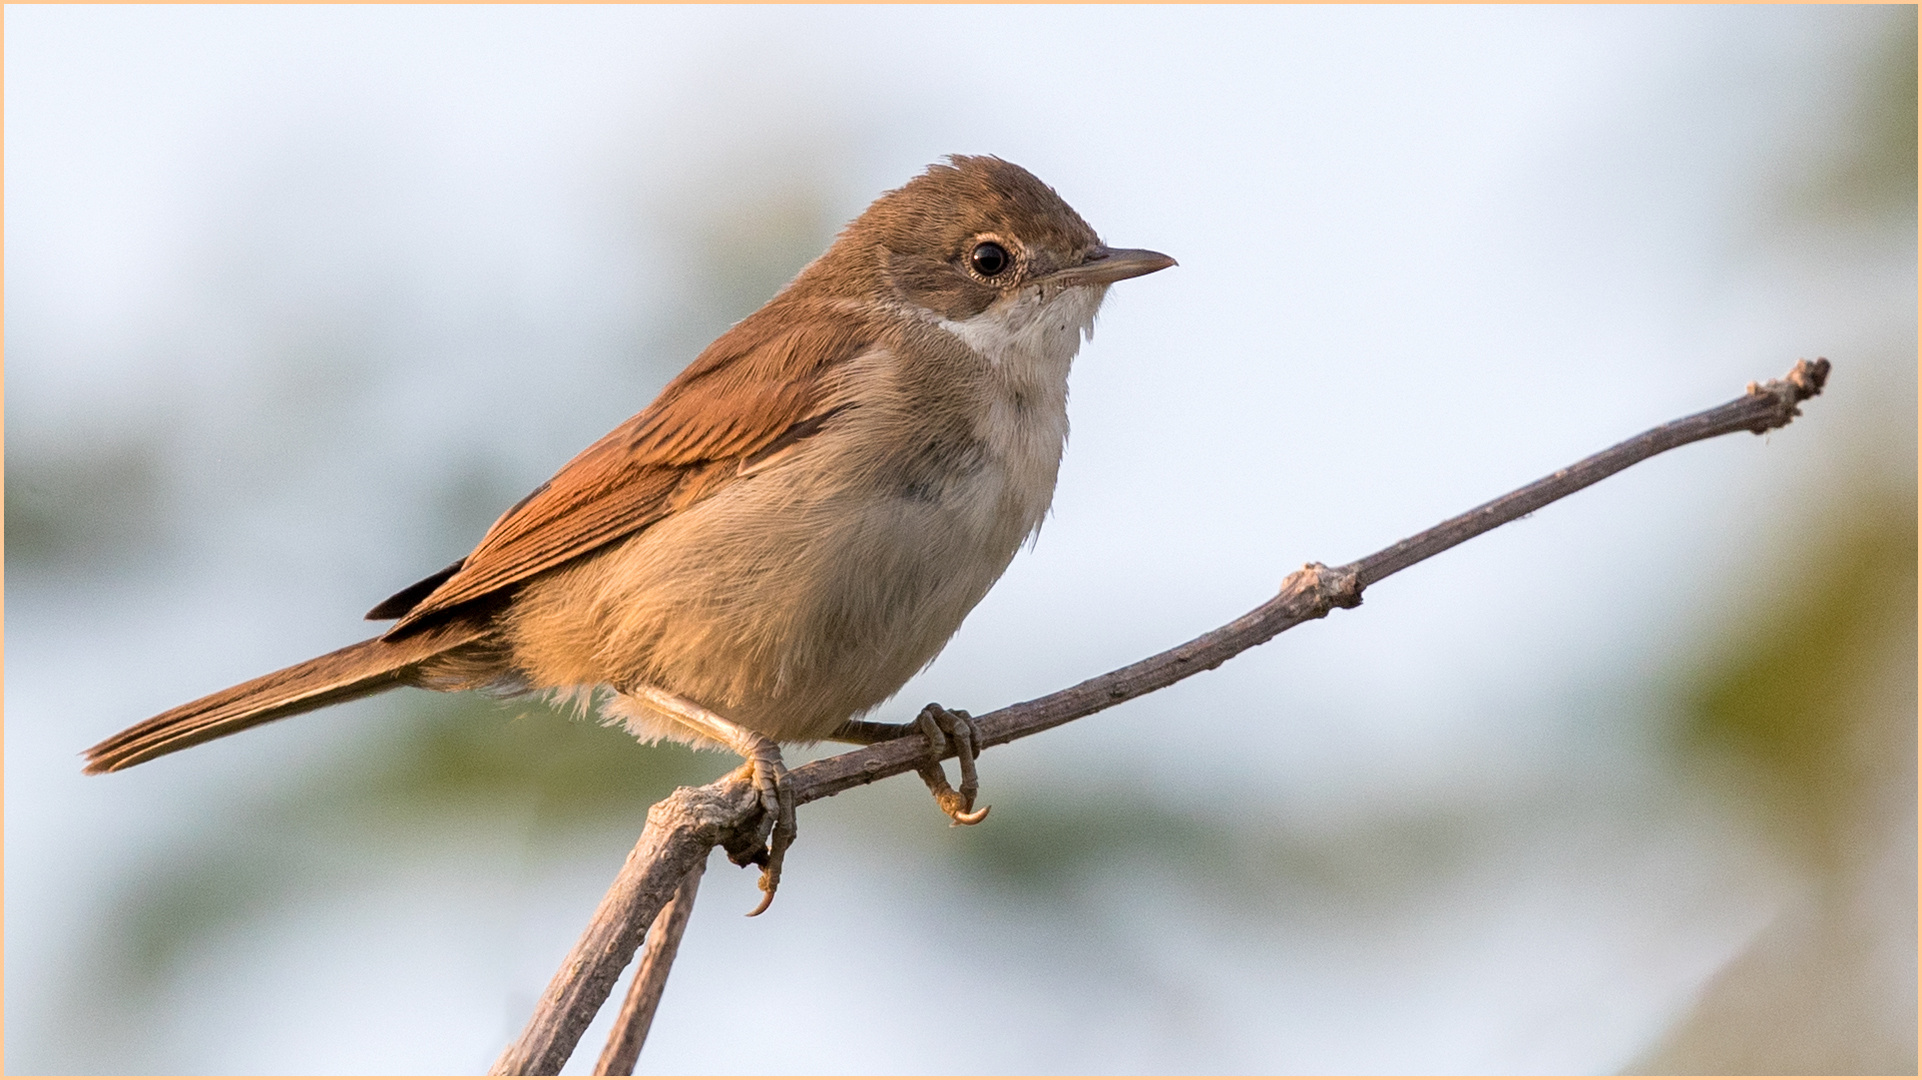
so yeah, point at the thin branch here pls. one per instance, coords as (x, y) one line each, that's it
(681, 830)
(684, 826)
(657, 959)
(1315, 590)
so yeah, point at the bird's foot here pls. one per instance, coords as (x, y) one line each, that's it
(764, 768)
(943, 727)
(772, 789)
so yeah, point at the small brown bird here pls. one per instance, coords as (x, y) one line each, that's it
(795, 526)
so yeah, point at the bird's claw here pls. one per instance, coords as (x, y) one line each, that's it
(943, 727)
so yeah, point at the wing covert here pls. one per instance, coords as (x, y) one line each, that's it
(772, 374)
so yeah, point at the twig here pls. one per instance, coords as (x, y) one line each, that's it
(681, 830)
(692, 820)
(650, 978)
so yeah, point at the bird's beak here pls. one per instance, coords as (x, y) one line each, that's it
(1106, 265)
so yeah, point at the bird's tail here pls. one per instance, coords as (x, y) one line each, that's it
(355, 671)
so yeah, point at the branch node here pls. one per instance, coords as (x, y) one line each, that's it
(1324, 588)
(1802, 382)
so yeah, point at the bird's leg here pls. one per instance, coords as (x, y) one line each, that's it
(764, 767)
(939, 726)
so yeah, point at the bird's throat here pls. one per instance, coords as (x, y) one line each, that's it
(1033, 334)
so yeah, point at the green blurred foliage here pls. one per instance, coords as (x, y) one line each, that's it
(1806, 716)
(78, 504)
(1801, 707)
(1786, 695)
(1874, 176)
(1786, 702)
(1050, 841)
(537, 770)
(562, 767)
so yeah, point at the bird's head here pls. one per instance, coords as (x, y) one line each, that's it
(976, 237)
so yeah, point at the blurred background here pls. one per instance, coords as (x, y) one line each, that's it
(298, 299)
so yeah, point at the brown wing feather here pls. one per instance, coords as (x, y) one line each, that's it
(741, 395)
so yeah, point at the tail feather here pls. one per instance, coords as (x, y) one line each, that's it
(355, 671)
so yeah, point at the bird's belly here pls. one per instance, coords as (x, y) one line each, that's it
(784, 604)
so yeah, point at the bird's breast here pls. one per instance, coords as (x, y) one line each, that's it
(811, 588)
(1022, 347)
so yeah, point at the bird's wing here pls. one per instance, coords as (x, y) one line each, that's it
(760, 387)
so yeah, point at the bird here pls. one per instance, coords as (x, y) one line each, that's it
(795, 526)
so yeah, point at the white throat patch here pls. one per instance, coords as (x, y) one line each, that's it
(1031, 332)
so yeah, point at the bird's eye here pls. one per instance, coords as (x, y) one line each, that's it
(989, 258)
